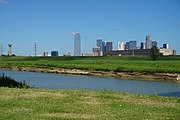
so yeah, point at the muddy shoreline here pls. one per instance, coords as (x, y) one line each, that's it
(163, 77)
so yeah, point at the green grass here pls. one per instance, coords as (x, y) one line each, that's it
(33, 104)
(169, 64)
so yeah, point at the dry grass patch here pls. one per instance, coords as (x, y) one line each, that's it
(148, 102)
(70, 115)
(15, 109)
(92, 101)
(6, 97)
(42, 94)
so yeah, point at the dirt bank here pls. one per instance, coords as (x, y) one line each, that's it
(165, 77)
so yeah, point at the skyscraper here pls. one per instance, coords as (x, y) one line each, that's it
(127, 46)
(77, 44)
(148, 43)
(154, 43)
(101, 44)
(109, 46)
(142, 46)
(121, 46)
(132, 45)
(166, 46)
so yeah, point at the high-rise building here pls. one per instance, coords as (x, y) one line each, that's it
(77, 44)
(166, 46)
(154, 43)
(109, 46)
(132, 45)
(127, 46)
(121, 46)
(101, 44)
(142, 46)
(148, 44)
(54, 53)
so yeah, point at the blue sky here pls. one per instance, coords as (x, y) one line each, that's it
(51, 23)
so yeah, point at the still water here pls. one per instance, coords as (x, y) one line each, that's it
(55, 81)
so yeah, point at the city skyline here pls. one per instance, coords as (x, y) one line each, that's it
(51, 24)
(104, 46)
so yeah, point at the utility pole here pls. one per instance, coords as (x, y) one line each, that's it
(35, 49)
(133, 52)
(1, 49)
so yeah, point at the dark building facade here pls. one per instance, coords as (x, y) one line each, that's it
(142, 46)
(137, 52)
(166, 46)
(132, 45)
(127, 46)
(109, 46)
(54, 53)
(154, 43)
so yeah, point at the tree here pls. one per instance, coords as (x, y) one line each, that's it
(154, 53)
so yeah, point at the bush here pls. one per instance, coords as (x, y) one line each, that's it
(9, 82)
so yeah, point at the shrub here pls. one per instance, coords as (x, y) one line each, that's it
(9, 82)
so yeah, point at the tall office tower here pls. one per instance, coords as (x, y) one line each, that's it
(109, 46)
(121, 46)
(148, 42)
(127, 46)
(10, 50)
(166, 46)
(101, 44)
(154, 43)
(77, 44)
(142, 46)
(132, 45)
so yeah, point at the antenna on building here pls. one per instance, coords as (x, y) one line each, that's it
(35, 49)
(10, 50)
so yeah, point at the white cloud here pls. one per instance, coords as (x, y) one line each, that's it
(3, 2)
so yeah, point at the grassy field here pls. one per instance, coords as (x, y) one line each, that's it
(33, 104)
(118, 64)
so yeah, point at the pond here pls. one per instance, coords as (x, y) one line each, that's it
(74, 82)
